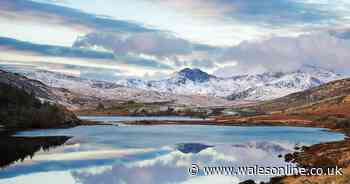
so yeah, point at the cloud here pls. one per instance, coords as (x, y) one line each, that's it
(342, 33)
(204, 64)
(239, 69)
(9, 44)
(275, 12)
(51, 57)
(159, 44)
(279, 12)
(86, 72)
(51, 50)
(202, 8)
(24, 10)
(157, 54)
(229, 22)
(288, 54)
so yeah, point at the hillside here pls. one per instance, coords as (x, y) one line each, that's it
(27, 103)
(326, 106)
(328, 98)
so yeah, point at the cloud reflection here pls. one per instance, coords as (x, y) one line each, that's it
(173, 167)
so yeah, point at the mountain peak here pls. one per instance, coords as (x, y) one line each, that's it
(191, 70)
(195, 75)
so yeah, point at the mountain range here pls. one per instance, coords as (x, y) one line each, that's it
(186, 87)
(257, 87)
(80, 93)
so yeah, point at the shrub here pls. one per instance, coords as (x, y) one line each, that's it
(19, 109)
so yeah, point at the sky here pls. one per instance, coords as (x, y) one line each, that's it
(150, 39)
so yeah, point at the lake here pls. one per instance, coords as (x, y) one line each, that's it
(160, 154)
(138, 118)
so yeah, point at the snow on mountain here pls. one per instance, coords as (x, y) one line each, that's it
(114, 91)
(245, 87)
(303, 79)
(193, 86)
(195, 75)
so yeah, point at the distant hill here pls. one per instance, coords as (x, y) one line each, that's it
(26, 103)
(333, 97)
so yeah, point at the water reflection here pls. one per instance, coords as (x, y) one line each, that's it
(14, 149)
(138, 118)
(192, 147)
(173, 167)
(158, 154)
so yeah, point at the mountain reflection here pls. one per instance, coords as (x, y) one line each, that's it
(192, 147)
(173, 167)
(151, 154)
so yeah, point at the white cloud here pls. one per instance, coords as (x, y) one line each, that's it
(288, 54)
(149, 43)
(79, 64)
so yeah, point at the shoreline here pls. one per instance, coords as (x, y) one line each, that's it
(322, 155)
(214, 122)
(303, 157)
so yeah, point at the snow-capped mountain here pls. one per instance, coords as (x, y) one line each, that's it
(194, 75)
(245, 87)
(105, 91)
(193, 86)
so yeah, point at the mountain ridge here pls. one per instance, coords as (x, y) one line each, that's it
(326, 96)
(189, 83)
(86, 91)
(257, 87)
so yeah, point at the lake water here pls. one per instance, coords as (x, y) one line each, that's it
(137, 118)
(157, 154)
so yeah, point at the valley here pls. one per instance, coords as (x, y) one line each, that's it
(324, 106)
(174, 92)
